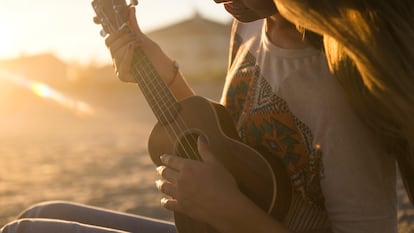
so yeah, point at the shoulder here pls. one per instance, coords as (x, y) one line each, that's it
(247, 29)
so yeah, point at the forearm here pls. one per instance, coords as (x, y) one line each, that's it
(165, 67)
(179, 87)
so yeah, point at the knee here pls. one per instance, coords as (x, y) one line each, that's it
(43, 209)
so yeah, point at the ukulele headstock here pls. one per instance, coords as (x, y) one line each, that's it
(112, 15)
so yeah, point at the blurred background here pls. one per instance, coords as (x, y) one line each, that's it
(69, 129)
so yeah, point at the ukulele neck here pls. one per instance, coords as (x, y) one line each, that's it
(161, 100)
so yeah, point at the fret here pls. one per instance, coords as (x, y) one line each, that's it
(159, 97)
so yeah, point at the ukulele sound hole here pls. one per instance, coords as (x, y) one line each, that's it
(187, 146)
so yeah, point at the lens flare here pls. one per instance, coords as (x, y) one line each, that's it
(44, 91)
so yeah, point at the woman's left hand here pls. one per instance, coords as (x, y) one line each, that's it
(196, 188)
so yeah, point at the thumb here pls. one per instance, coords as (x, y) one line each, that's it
(203, 149)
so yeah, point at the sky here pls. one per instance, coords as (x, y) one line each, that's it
(65, 27)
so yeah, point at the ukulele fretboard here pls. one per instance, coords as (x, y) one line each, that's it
(159, 97)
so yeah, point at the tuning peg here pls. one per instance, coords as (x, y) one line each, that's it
(103, 33)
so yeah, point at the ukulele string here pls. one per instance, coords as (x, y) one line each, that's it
(162, 105)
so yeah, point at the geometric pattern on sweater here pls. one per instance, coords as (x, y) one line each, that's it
(265, 123)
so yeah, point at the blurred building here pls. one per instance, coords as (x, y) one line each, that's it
(198, 44)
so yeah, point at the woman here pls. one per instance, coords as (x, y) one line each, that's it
(285, 103)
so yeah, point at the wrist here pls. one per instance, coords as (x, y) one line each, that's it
(232, 214)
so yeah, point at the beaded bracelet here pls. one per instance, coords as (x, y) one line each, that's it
(176, 68)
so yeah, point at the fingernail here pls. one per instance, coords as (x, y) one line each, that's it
(158, 184)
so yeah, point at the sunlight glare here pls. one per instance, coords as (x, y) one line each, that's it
(42, 90)
(46, 92)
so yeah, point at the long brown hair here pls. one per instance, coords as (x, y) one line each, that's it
(369, 46)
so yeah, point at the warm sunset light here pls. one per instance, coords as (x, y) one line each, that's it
(8, 46)
(44, 91)
(245, 117)
(66, 28)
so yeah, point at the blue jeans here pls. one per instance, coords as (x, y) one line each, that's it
(66, 217)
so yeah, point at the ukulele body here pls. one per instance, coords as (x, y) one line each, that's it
(260, 177)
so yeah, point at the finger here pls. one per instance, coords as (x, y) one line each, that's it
(166, 187)
(168, 174)
(173, 161)
(120, 67)
(132, 21)
(116, 37)
(170, 204)
(118, 56)
(205, 153)
(123, 63)
(117, 42)
(113, 37)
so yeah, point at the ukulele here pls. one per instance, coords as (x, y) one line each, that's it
(261, 177)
